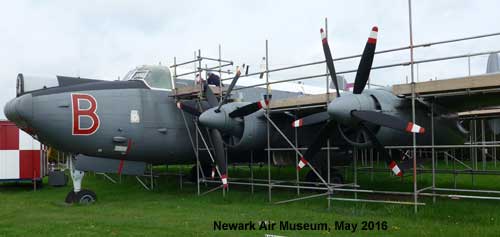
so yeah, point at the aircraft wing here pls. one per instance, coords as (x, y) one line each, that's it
(309, 104)
(456, 94)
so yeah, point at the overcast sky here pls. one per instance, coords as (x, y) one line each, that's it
(105, 39)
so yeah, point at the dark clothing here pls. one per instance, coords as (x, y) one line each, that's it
(213, 80)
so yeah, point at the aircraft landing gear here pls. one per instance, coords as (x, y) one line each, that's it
(78, 195)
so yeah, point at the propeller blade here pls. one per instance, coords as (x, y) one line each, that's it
(249, 109)
(379, 118)
(311, 119)
(329, 60)
(365, 64)
(316, 144)
(211, 99)
(220, 157)
(230, 88)
(382, 151)
(188, 108)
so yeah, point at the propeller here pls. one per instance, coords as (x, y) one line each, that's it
(316, 144)
(218, 143)
(215, 134)
(393, 166)
(362, 74)
(220, 157)
(353, 110)
(365, 64)
(249, 108)
(329, 60)
(385, 120)
(311, 119)
(229, 89)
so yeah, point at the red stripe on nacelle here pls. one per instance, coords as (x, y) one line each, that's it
(372, 40)
(120, 167)
(129, 146)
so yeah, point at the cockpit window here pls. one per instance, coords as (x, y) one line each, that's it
(140, 74)
(156, 77)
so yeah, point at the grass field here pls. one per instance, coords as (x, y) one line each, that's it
(127, 209)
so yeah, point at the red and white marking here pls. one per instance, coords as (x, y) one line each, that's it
(414, 128)
(349, 87)
(179, 105)
(373, 35)
(298, 123)
(263, 104)
(395, 168)
(224, 180)
(20, 154)
(302, 163)
(323, 36)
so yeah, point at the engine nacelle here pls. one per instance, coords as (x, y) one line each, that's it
(239, 133)
(254, 133)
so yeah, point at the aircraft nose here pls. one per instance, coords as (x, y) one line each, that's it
(20, 109)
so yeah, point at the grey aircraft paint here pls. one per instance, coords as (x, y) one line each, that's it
(140, 123)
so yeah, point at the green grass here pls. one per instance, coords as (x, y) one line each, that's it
(127, 209)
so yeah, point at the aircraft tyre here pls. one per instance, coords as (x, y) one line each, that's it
(84, 197)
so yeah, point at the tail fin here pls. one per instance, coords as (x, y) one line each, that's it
(342, 82)
(493, 65)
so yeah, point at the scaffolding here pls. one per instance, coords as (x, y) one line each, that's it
(463, 159)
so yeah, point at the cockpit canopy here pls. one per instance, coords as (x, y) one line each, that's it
(156, 77)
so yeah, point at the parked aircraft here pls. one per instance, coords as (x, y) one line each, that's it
(120, 126)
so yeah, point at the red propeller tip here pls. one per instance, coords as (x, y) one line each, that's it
(395, 168)
(302, 163)
(263, 104)
(297, 123)
(224, 180)
(323, 35)
(414, 128)
(373, 36)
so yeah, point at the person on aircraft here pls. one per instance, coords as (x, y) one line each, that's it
(213, 79)
(199, 80)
